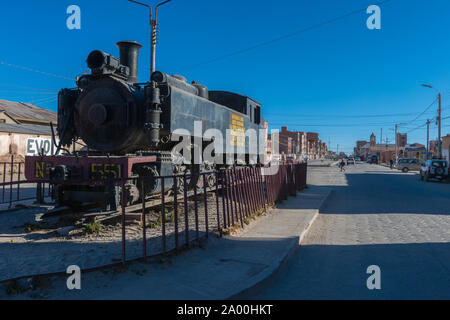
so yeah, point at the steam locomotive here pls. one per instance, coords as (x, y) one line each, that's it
(130, 129)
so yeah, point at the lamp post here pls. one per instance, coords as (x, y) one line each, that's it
(153, 32)
(439, 118)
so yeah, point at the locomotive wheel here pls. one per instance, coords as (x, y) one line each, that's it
(149, 176)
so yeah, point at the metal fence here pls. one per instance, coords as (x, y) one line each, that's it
(14, 187)
(237, 196)
(222, 202)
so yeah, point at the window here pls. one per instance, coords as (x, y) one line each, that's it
(258, 115)
(439, 164)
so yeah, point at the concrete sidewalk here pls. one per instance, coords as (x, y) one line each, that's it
(231, 267)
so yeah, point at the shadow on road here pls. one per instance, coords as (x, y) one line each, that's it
(408, 271)
(388, 193)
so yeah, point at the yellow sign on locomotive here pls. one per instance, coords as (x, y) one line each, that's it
(237, 131)
(42, 169)
(105, 171)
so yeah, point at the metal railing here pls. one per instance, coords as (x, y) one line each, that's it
(237, 195)
(222, 202)
(14, 187)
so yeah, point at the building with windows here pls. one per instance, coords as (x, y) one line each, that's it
(300, 145)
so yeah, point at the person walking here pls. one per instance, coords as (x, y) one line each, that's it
(342, 165)
(391, 163)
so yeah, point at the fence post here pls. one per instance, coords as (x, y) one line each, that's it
(217, 203)
(175, 209)
(144, 222)
(18, 182)
(227, 190)
(11, 181)
(205, 194)
(223, 200)
(123, 223)
(163, 216)
(238, 197)
(186, 210)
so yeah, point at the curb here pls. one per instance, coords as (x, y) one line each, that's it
(264, 279)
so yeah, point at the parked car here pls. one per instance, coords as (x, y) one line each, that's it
(434, 169)
(373, 160)
(406, 165)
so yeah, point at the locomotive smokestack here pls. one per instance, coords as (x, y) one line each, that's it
(129, 56)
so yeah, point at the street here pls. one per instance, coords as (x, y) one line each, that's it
(374, 216)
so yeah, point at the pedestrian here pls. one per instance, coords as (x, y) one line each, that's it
(391, 163)
(342, 165)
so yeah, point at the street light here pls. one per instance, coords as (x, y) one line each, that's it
(153, 32)
(439, 117)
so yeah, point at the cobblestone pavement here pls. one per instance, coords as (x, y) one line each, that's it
(374, 216)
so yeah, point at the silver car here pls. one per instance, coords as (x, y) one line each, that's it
(406, 165)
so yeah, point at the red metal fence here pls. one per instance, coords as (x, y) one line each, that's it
(13, 185)
(237, 195)
(185, 217)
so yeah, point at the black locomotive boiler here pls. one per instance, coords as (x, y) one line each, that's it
(129, 129)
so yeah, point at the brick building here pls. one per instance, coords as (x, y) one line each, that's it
(300, 144)
(402, 139)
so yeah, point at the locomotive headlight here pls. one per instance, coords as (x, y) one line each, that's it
(158, 76)
(96, 60)
(99, 60)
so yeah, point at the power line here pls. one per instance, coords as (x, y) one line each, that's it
(290, 35)
(342, 116)
(45, 99)
(29, 93)
(417, 128)
(35, 71)
(423, 111)
(3, 84)
(329, 125)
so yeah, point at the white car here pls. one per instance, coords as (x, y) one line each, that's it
(434, 169)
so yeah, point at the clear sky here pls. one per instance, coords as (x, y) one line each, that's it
(341, 79)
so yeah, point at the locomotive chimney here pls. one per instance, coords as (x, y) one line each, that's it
(129, 56)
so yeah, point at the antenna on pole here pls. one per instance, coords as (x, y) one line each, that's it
(153, 32)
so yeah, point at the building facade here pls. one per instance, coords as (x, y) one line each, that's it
(299, 145)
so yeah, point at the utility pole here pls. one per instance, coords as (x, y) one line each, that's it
(396, 143)
(153, 32)
(428, 139)
(337, 152)
(381, 136)
(439, 119)
(329, 147)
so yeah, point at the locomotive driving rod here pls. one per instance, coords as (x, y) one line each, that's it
(153, 32)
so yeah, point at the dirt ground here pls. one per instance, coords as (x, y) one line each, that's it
(28, 247)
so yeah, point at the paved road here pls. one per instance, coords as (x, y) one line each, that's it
(374, 216)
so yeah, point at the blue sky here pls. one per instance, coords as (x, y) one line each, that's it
(341, 80)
